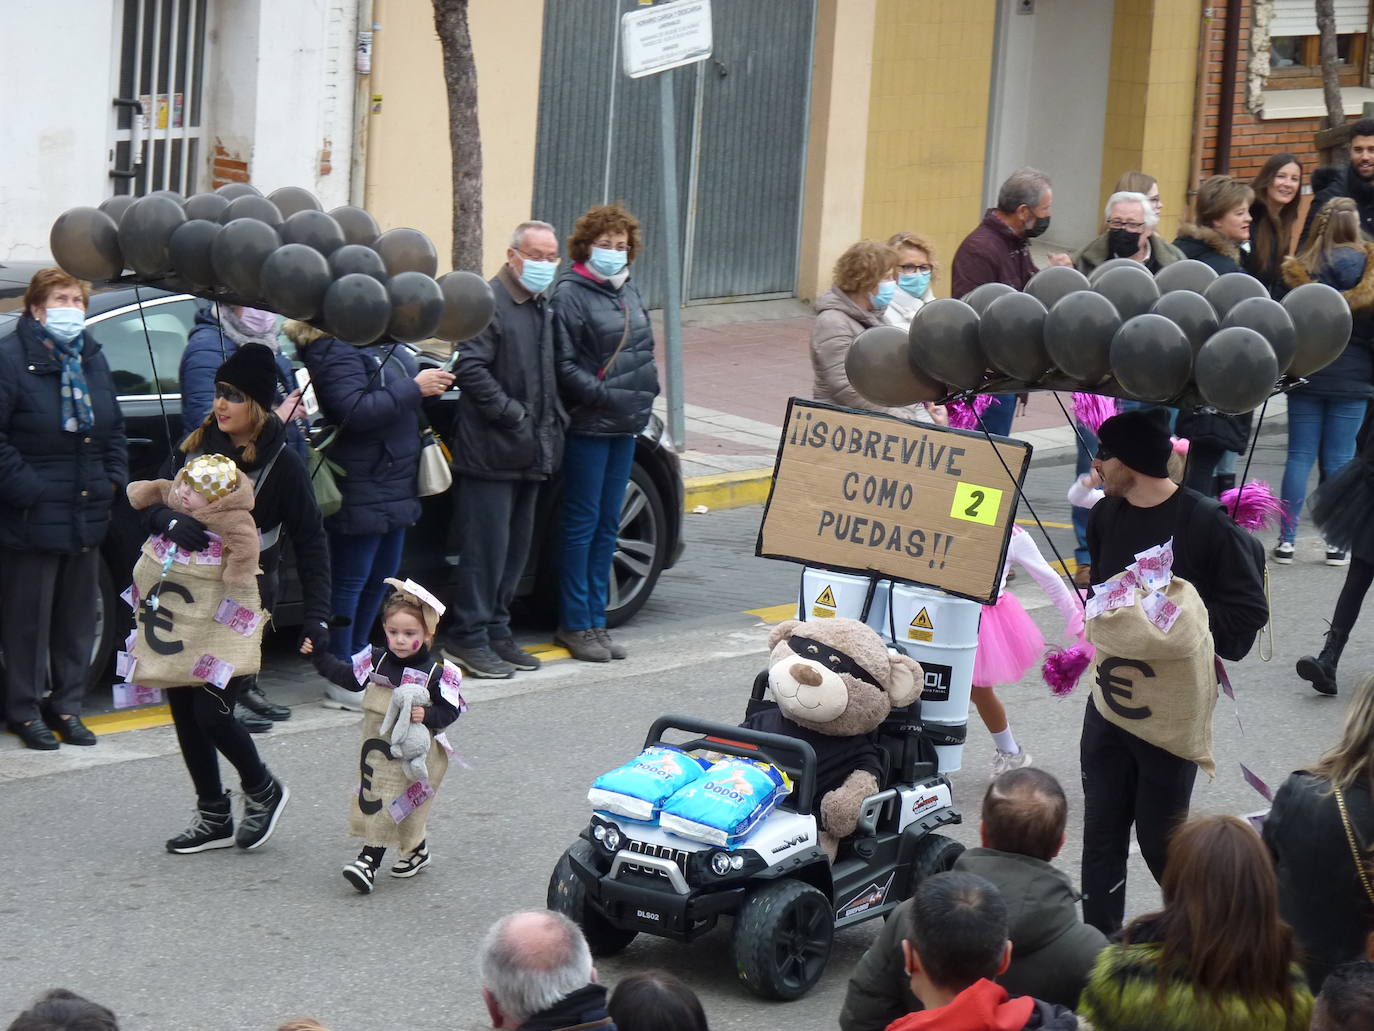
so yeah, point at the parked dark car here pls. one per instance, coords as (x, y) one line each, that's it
(143, 332)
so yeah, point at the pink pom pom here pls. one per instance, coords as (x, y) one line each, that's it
(963, 416)
(1180, 445)
(1092, 410)
(1258, 507)
(1063, 666)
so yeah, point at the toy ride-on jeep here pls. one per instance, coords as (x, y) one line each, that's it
(623, 877)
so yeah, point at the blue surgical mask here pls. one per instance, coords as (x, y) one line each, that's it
(886, 289)
(65, 324)
(606, 262)
(535, 276)
(914, 283)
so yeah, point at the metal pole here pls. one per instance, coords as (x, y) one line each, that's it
(362, 85)
(672, 267)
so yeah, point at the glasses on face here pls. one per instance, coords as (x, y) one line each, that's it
(1130, 227)
(911, 270)
(607, 245)
(554, 257)
(1103, 454)
(226, 392)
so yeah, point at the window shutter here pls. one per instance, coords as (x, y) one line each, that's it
(1299, 18)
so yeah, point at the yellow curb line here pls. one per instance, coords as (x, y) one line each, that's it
(728, 490)
(130, 719)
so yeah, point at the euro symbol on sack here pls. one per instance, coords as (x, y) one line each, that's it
(372, 744)
(1114, 687)
(160, 619)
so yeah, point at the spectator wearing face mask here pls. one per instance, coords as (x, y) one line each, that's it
(1130, 233)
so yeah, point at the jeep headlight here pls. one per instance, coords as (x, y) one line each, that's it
(723, 863)
(611, 840)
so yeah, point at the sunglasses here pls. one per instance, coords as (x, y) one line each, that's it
(1103, 454)
(230, 394)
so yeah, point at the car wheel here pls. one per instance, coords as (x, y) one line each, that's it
(567, 896)
(641, 548)
(782, 939)
(935, 853)
(107, 625)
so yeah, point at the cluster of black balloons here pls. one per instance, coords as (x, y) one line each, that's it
(1186, 336)
(283, 253)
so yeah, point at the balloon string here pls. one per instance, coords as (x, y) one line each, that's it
(152, 364)
(366, 387)
(1073, 423)
(1249, 457)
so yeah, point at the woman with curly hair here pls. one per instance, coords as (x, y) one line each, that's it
(607, 380)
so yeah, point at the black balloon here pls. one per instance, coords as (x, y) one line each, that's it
(981, 296)
(1191, 312)
(1129, 287)
(85, 242)
(171, 195)
(944, 343)
(116, 206)
(252, 207)
(1151, 358)
(291, 199)
(1078, 336)
(352, 257)
(407, 250)
(417, 306)
(877, 366)
(358, 226)
(294, 281)
(1114, 263)
(191, 249)
(314, 229)
(1011, 334)
(144, 233)
(1321, 317)
(1270, 320)
(1050, 284)
(238, 254)
(1225, 292)
(1236, 370)
(468, 306)
(1187, 274)
(207, 206)
(234, 190)
(356, 308)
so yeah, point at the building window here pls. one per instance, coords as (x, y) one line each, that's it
(1295, 46)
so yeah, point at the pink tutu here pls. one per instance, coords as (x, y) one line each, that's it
(1009, 643)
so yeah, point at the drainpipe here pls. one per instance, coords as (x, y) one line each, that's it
(1199, 110)
(1226, 112)
(362, 86)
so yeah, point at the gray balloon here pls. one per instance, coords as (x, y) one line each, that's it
(1011, 334)
(314, 229)
(358, 226)
(1131, 289)
(232, 191)
(1270, 320)
(981, 296)
(417, 306)
(1321, 317)
(144, 233)
(1050, 284)
(1187, 274)
(294, 281)
(944, 343)
(356, 309)
(468, 306)
(85, 242)
(407, 250)
(116, 206)
(1114, 263)
(1191, 312)
(1151, 358)
(1236, 370)
(191, 249)
(291, 199)
(207, 206)
(1225, 292)
(171, 195)
(1078, 336)
(353, 257)
(238, 254)
(877, 366)
(252, 207)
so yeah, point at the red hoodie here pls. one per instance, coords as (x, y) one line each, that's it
(982, 1006)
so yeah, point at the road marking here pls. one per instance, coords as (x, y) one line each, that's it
(774, 613)
(130, 719)
(1057, 526)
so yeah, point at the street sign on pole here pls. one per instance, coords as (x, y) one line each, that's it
(667, 35)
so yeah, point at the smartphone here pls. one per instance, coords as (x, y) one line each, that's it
(309, 402)
(452, 362)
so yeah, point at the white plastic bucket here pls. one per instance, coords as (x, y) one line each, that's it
(825, 595)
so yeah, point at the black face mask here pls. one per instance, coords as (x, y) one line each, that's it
(1040, 225)
(1122, 243)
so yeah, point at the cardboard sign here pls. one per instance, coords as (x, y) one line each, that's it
(880, 496)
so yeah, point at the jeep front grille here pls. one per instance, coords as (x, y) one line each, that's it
(648, 848)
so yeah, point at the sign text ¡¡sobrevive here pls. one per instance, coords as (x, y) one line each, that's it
(881, 496)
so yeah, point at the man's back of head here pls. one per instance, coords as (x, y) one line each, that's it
(1346, 1002)
(1025, 811)
(62, 1010)
(959, 935)
(529, 962)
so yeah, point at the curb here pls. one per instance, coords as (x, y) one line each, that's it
(728, 490)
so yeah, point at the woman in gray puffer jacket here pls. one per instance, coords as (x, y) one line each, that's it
(607, 380)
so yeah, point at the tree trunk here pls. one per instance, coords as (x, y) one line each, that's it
(465, 137)
(1331, 87)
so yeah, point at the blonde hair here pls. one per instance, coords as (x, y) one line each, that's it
(257, 416)
(1135, 182)
(1352, 760)
(922, 243)
(303, 1024)
(1337, 225)
(863, 266)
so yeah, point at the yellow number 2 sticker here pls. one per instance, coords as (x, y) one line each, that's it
(976, 504)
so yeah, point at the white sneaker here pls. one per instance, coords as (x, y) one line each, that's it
(1336, 556)
(1004, 761)
(336, 697)
(1283, 553)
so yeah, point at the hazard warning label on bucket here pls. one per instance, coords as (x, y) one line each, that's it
(825, 605)
(921, 628)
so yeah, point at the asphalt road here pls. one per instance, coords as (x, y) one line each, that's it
(245, 940)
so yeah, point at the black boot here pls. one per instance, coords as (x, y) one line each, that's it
(252, 699)
(252, 722)
(1320, 672)
(1224, 482)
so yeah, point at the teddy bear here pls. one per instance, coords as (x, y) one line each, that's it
(409, 741)
(835, 681)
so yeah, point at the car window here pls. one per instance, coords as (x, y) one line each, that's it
(128, 339)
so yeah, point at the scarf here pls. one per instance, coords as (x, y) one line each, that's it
(77, 415)
(241, 334)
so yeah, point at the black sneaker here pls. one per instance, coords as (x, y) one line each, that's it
(508, 650)
(1337, 556)
(70, 729)
(35, 735)
(361, 874)
(252, 722)
(252, 699)
(211, 827)
(412, 862)
(480, 661)
(261, 811)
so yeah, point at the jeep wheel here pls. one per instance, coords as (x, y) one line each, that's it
(567, 896)
(782, 939)
(935, 853)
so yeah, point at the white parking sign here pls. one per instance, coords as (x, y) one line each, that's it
(654, 39)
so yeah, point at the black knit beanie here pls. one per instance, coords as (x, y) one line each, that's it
(253, 370)
(1140, 439)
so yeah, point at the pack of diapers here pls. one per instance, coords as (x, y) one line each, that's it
(727, 803)
(639, 788)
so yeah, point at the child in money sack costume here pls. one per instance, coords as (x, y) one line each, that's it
(407, 695)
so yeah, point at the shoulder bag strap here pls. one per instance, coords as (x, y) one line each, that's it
(620, 346)
(1355, 853)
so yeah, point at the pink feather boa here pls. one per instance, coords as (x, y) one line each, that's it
(963, 416)
(1258, 507)
(1092, 410)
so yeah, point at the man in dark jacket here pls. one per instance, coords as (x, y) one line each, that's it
(537, 975)
(1022, 829)
(507, 440)
(1355, 180)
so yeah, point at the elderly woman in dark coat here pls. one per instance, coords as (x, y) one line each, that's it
(62, 457)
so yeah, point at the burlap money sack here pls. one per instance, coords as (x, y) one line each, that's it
(171, 639)
(1159, 686)
(382, 779)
